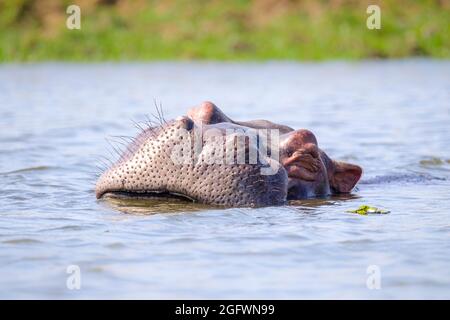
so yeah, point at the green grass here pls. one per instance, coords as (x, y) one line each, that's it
(223, 30)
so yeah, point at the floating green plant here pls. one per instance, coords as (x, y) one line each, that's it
(365, 210)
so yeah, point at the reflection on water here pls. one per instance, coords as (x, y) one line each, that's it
(173, 205)
(328, 201)
(390, 117)
(154, 206)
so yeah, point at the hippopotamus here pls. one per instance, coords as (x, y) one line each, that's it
(200, 157)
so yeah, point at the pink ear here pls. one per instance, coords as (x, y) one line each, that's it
(344, 176)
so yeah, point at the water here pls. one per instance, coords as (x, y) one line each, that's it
(392, 118)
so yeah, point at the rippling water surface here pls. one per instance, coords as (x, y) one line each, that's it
(392, 118)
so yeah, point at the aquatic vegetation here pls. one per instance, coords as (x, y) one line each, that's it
(434, 161)
(32, 30)
(365, 210)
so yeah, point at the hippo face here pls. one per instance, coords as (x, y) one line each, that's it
(174, 159)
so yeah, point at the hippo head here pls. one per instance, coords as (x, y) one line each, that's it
(311, 172)
(175, 159)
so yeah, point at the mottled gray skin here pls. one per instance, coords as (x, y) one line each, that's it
(147, 169)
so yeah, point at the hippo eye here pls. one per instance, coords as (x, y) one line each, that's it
(186, 123)
(189, 125)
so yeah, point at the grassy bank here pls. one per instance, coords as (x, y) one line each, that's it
(231, 29)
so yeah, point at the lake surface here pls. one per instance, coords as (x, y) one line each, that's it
(391, 117)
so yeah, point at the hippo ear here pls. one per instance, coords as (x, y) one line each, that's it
(344, 176)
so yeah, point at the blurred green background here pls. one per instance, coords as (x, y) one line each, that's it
(33, 30)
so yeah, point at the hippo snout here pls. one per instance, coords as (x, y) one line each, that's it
(180, 158)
